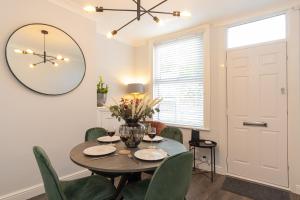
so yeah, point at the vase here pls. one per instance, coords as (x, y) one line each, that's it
(132, 133)
(101, 99)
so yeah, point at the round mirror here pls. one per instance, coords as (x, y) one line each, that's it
(45, 59)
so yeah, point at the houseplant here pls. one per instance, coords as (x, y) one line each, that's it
(102, 90)
(133, 112)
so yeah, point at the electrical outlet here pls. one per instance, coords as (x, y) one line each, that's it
(203, 159)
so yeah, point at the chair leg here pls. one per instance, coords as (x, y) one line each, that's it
(112, 180)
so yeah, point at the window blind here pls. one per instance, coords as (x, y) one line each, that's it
(178, 77)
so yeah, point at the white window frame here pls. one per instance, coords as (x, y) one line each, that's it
(205, 30)
(255, 19)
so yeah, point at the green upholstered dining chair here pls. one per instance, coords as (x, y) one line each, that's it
(170, 181)
(88, 188)
(93, 134)
(172, 133)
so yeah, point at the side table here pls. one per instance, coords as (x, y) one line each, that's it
(201, 144)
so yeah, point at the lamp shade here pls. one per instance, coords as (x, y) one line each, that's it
(136, 88)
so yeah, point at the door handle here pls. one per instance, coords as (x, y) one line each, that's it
(260, 124)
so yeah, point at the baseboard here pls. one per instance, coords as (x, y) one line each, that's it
(206, 167)
(38, 189)
(297, 189)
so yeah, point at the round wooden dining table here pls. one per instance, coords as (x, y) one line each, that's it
(125, 164)
(119, 163)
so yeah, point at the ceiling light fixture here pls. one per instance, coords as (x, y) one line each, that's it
(140, 12)
(44, 56)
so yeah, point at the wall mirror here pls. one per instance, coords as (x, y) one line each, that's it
(45, 59)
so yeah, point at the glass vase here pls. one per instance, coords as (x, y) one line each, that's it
(132, 133)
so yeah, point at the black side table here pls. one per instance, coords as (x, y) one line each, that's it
(201, 144)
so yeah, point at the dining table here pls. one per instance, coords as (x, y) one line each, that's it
(125, 164)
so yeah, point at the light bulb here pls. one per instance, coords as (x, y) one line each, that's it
(185, 13)
(59, 57)
(109, 35)
(66, 59)
(32, 65)
(55, 64)
(18, 51)
(29, 51)
(89, 8)
(161, 23)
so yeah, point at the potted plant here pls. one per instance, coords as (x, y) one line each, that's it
(102, 90)
(133, 112)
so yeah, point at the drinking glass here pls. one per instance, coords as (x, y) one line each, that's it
(111, 132)
(152, 134)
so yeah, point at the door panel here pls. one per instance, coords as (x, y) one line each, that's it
(257, 93)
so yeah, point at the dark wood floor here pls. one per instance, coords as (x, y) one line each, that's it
(202, 189)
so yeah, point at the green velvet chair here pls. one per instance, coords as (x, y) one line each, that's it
(170, 181)
(88, 188)
(93, 134)
(172, 133)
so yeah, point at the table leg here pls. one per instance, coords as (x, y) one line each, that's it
(134, 177)
(211, 165)
(214, 160)
(121, 185)
(194, 168)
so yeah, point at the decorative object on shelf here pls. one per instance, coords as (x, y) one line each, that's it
(45, 59)
(44, 56)
(133, 112)
(102, 90)
(140, 11)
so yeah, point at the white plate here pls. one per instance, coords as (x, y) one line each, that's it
(114, 138)
(156, 139)
(100, 150)
(151, 154)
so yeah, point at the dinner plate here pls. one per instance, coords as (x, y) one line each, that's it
(156, 139)
(151, 154)
(99, 150)
(114, 138)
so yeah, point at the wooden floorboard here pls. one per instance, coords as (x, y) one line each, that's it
(201, 188)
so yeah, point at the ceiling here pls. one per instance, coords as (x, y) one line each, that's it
(138, 32)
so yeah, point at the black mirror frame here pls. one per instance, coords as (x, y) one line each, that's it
(24, 83)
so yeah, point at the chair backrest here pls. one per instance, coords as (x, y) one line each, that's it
(51, 182)
(172, 133)
(158, 125)
(94, 133)
(172, 178)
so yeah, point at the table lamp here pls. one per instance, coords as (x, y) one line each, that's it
(136, 88)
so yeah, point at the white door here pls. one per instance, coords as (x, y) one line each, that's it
(257, 113)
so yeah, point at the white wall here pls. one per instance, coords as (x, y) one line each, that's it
(218, 120)
(116, 65)
(57, 123)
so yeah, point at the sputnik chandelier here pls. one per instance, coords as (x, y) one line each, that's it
(140, 12)
(45, 58)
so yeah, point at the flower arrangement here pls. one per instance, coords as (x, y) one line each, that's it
(135, 110)
(100, 86)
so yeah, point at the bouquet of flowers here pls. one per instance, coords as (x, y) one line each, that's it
(135, 110)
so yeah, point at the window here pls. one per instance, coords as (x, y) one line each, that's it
(265, 30)
(178, 77)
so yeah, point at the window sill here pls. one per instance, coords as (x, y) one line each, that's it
(187, 127)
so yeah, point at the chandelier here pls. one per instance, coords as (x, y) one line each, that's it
(45, 58)
(140, 11)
